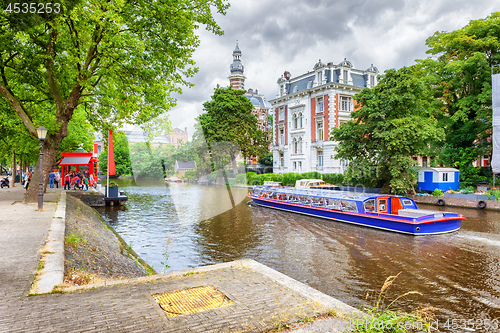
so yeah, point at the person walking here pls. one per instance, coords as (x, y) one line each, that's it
(52, 177)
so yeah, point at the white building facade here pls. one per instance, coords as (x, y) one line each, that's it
(307, 107)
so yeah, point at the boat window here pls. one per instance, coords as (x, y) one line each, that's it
(318, 202)
(407, 203)
(370, 206)
(264, 195)
(348, 206)
(282, 197)
(332, 203)
(382, 205)
(292, 198)
(305, 200)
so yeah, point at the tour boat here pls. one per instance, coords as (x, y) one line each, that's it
(387, 212)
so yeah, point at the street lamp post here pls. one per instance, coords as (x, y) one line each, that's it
(42, 132)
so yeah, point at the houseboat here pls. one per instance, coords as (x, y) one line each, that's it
(386, 212)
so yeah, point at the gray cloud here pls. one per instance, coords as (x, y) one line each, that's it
(280, 35)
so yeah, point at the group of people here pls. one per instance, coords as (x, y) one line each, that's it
(73, 179)
(79, 181)
(54, 179)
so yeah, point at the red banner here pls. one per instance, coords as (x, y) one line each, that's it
(111, 154)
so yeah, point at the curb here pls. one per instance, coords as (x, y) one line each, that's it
(315, 295)
(52, 274)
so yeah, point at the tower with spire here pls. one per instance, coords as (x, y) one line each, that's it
(237, 79)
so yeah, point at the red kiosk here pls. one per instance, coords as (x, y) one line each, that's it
(81, 160)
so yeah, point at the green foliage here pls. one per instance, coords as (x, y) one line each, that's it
(249, 176)
(493, 194)
(266, 159)
(289, 178)
(122, 156)
(156, 162)
(461, 79)
(437, 193)
(241, 178)
(228, 127)
(191, 175)
(118, 62)
(394, 122)
(333, 178)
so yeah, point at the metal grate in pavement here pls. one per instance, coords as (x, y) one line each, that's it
(192, 300)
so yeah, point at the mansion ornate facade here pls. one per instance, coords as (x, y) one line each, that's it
(307, 107)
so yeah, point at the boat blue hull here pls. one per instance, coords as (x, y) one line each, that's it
(404, 225)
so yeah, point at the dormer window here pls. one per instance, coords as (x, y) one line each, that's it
(320, 78)
(344, 76)
(372, 80)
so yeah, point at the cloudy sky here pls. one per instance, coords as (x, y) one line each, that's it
(278, 35)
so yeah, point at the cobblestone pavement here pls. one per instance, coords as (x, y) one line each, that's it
(260, 303)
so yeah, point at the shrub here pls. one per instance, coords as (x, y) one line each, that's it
(240, 178)
(191, 174)
(493, 194)
(250, 175)
(333, 178)
(437, 193)
(289, 178)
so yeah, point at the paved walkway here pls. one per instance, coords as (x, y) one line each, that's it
(262, 297)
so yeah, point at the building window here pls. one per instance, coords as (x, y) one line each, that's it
(320, 136)
(282, 90)
(344, 76)
(300, 121)
(372, 80)
(282, 137)
(424, 161)
(300, 166)
(99, 148)
(320, 78)
(295, 146)
(345, 103)
(282, 160)
(445, 177)
(295, 122)
(282, 114)
(294, 165)
(320, 158)
(300, 145)
(320, 104)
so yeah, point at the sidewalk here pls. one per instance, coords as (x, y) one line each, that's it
(259, 297)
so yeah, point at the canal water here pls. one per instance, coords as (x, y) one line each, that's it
(180, 226)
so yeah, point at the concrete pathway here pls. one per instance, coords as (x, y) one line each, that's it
(262, 297)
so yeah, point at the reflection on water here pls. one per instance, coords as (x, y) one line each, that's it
(456, 273)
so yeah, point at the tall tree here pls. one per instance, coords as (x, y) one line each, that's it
(395, 121)
(460, 74)
(117, 60)
(228, 125)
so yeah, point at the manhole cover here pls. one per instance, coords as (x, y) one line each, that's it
(188, 301)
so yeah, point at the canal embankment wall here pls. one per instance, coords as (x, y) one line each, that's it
(457, 202)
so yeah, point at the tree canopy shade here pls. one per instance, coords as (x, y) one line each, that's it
(228, 119)
(119, 61)
(395, 121)
(460, 74)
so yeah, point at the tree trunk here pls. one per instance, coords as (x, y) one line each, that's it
(50, 149)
